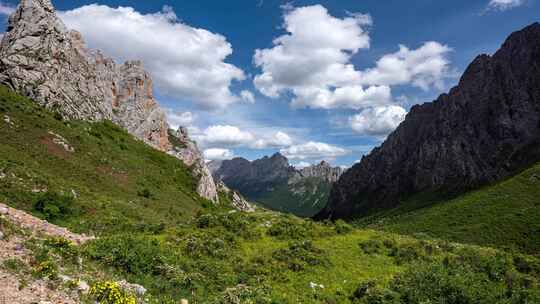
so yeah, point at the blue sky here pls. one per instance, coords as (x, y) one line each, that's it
(336, 128)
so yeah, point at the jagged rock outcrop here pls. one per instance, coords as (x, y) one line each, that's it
(186, 149)
(42, 59)
(483, 130)
(237, 200)
(323, 170)
(274, 183)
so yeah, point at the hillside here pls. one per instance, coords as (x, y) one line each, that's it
(503, 215)
(484, 130)
(275, 184)
(112, 175)
(153, 230)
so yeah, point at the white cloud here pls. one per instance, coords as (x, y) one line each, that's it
(313, 150)
(424, 67)
(313, 61)
(186, 62)
(180, 119)
(377, 121)
(6, 9)
(228, 136)
(218, 154)
(278, 140)
(247, 96)
(503, 5)
(232, 136)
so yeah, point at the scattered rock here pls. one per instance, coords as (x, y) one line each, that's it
(315, 285)
(59, 140)
(83, 287)
(1, 235)
(132, 288)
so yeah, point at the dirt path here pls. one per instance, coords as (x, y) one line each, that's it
(13, 290)
(38, 226)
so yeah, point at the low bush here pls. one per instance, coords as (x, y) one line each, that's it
(299, 256)
(132, 254)
(54, 206)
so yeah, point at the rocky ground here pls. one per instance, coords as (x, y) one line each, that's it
(15, 288)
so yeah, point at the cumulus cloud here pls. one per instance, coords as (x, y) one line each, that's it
(218, 154)
(278, 140)
(180, 119)
(424, 67)
(6, 9)
(247, 96)
(314, 150)
(312, 61)
(187, 63)
(228, 136)
(503, 5)
(378, 121)
(232, 136)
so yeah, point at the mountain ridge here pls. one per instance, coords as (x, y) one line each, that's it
(275, 184)
(484, 129)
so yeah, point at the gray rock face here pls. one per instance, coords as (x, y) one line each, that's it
(42, 59)
(187, 150)
(485, 129)
(324, 171)
(238, 201)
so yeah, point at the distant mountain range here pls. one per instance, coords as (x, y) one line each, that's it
(485, 129)
(275, 184)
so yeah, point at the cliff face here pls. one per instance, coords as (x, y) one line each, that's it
(42, 59)
(275, 184)
(324, 171)
(485, 129)
(187, 150)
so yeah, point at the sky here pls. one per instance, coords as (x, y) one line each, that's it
(314, 80)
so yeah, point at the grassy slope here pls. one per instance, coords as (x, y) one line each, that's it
(506, 214)
(304, 198)
(107, 171)
(219, 256)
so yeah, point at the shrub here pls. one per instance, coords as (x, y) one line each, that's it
(62, 246)
(53, 205)
(145, 193)
(287, 229)
(371, 246)
(204, 244)
(408, 253)
(245, 294)
(132, 254)
(110, 293)
(46, 269)
(342, 227)
(299, 255)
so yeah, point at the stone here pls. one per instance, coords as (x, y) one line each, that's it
(83, 287)
(238, 201)
(186, 150)
(132, 288)
(485, 129)
(43, 60)
(1, 235)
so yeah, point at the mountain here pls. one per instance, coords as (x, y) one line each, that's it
(485, 129)
(43, 60)
(275, 184)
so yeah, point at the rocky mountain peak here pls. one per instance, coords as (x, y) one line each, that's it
(41, 59)
(322, 170)
(485, 129)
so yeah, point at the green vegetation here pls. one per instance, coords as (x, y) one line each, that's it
(304, 198)
(153, 230)
(503, 215)
(110, 183)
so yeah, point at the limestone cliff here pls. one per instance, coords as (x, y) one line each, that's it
(42, 59)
